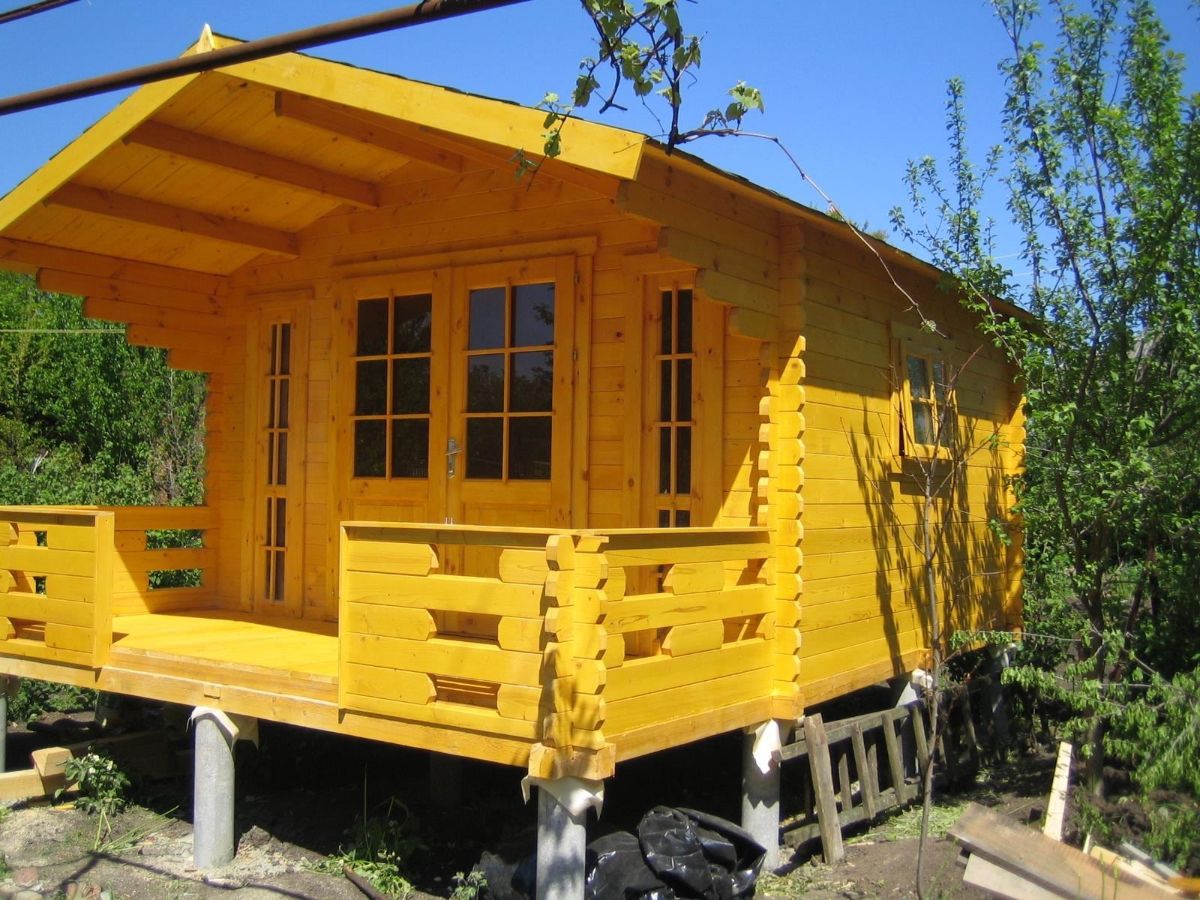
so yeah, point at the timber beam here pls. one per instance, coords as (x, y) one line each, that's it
(268, 167)
(174, 218)
(356, 127)
(28, 257)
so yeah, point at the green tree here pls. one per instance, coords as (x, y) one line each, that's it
(1102, 166)
(87, 418)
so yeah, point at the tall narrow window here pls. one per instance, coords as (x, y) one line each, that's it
(392, 357)
(674, 426)
(510, 382)
(278, 406)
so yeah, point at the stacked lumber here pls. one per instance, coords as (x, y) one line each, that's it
(1009, 860)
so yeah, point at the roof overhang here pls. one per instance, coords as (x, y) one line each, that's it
(206, 172)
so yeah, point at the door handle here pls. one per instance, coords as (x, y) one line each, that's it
(452, 451)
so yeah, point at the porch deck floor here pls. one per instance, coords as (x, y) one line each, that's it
(286, 656)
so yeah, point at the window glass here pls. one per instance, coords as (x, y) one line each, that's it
(531, 387)
(485, 448)
(372, 328)
(529, 448)
(485, 383)
(666, 339)
(370, 387)
(411, 321)
(685, 322)
(918, 378)
(410, 386)
(370, 448)
(533, 315)
(683, 460)
(683, 412)
(923, 427)
(410, 448)
(486, 328)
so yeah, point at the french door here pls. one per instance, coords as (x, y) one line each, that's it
(460, 389)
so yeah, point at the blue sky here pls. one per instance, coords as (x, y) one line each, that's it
(853, 89)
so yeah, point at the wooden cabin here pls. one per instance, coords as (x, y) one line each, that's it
(551, 471)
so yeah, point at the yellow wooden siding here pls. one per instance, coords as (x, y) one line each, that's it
(864, 615)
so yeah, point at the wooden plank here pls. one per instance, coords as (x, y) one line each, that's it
(684, 640)
(447, 715)
(523, 566)
(845, 786)
(115, 272)
(390, 621)
(174, 218)
(44, 561)
(822, 776)
(448, 657)
(1057, 807)
(44, 608)
(916, 715)
(695, 578)
(703, 698)
(649, 675)
(290, 173)
(998, 881)
(24, 784)
(200, 306)
(348, 123)
(1042, 860)
(388, 684)
(867, 786)
(452, 593)
(895, 759)
(644, 611)
(160, 317)
(390, 558)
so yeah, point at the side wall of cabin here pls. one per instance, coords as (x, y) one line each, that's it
(864, 596)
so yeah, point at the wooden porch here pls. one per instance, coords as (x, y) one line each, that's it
(563, 650)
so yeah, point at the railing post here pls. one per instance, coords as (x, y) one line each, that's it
(102, 576)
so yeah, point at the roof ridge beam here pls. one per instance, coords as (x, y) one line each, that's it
(174, 218)
(256, 163)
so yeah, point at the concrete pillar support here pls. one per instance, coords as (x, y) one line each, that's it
(212, 816)
(760, 790)
(561, 847)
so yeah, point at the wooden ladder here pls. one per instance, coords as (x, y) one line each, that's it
(857, 769)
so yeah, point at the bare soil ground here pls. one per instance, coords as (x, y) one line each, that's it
(301, 791)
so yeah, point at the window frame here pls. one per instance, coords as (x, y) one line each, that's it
(933, 350)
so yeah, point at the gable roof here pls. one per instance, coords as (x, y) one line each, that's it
(207, 171)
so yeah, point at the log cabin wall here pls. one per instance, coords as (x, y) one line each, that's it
(863, 581)
(433, 225)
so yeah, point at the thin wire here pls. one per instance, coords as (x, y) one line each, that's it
(32, 10)
(62, 331)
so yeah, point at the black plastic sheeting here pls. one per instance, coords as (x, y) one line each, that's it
(677, 853)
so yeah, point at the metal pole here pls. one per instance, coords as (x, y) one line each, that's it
(415, 14)
(32, 10)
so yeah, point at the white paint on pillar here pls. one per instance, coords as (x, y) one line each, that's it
(212, 808)
(760, 800)
(909, 689)
(996, 699)
(561, 849)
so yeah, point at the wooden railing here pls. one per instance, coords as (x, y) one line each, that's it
(690, 626)
(587, 645)
(164, 558)
(66, 571)
(56, 568)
